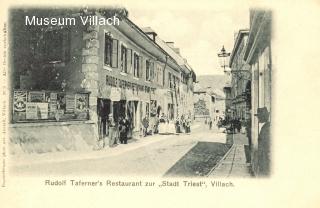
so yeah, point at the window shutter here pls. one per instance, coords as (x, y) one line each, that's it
(129, 61)
(140, 71)
(114, 62)
(152, 71)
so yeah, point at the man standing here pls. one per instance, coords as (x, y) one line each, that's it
(145, 123)
(264, 142)
(112, 131)
(123, 129)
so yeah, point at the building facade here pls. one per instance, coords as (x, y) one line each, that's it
(83, 73)
(241, 79)
(258, 54)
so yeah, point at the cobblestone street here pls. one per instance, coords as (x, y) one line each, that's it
(152, 155)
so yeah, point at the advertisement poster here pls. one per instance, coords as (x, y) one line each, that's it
(32, 111)
(20, 99)
(226, 116)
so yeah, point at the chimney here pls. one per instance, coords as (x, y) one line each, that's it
(177, 50)
(150, 33)
(170, 44)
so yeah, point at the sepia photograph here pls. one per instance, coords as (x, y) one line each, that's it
(113, 91)
(159, 104)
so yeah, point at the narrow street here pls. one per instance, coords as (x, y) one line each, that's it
(156, 155)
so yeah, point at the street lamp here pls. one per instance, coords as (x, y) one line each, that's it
(223, 58)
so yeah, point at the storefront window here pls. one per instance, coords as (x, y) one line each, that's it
(37, 106)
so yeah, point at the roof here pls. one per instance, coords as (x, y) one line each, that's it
(182, 62)
(241, 34)
(214, 81)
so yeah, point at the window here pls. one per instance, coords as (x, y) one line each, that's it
(56, 46)
(123, 61)
(152, 71)
(136, 65)
(148, 70)
(110, 51)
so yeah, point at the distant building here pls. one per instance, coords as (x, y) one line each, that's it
(204, 104)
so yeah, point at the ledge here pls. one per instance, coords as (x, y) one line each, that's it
(50, 123)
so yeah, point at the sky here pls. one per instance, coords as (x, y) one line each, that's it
(199, 33)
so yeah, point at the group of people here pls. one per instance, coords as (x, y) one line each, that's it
(162, 125)
(183, 124)
(115, 131)
(232, 125)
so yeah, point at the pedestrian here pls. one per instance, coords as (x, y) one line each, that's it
(210, 124)
(177, 125)
(145, 123)
(112, 131)
(263, 142)
(162, 122)
(123, 130)
(188, 125)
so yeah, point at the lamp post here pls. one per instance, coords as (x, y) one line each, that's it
(223, 55)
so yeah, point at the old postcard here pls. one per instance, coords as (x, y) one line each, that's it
(130, 103)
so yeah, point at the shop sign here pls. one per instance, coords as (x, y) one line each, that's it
(19, 102)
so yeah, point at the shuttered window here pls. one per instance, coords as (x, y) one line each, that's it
(148, 70)
(140, 69)
(129, 61)
(123, 59)
(114, 61)
(136, 64)
(107, 50)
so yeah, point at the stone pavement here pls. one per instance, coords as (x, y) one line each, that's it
(234, 163)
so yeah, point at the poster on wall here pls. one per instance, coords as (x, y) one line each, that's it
(37, 97)
(31, 110)
(19, 101)
(53, 102)
(70, 102)
(81, 102)
(43, 110)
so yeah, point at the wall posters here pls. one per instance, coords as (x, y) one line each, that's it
(19, 101)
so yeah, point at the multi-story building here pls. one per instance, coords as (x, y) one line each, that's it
(241, 79)
(77, 75)
(258, 54)
(204, 104)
